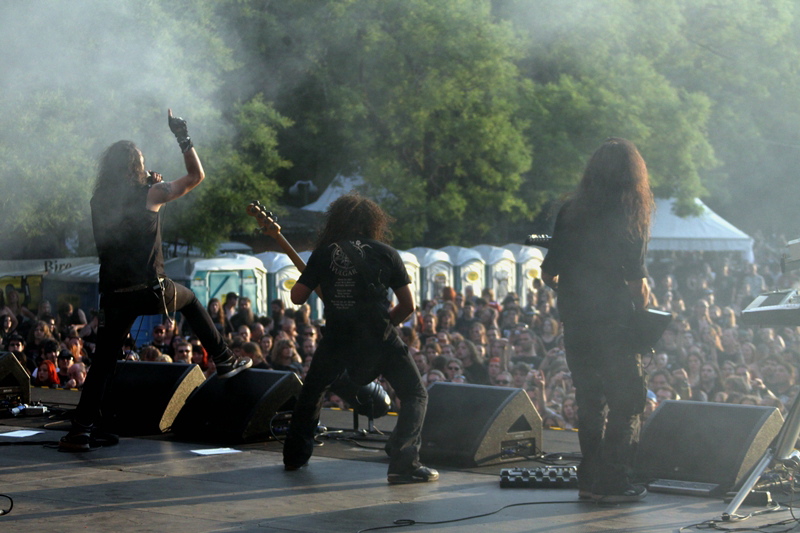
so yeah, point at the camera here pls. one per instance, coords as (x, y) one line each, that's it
(151, 178)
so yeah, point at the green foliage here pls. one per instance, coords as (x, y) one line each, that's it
(422, 99)
(466, 118)
(238, 173)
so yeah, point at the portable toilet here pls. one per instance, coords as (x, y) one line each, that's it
(215, 277)
(529, 266)
(80, 286)
(501, 269)
(436, 272)
(470, 269)
(317, 307)
(281, 277)
(412, 267)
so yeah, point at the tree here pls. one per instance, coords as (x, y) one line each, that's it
(420, 97)
(593, 77)
(239, 173)
(80, 76)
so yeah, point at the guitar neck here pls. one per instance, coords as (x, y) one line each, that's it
(289, 250)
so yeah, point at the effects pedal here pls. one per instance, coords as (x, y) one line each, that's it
(547, 477)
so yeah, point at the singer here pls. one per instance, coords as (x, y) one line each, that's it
(596, 263)
(126, 207)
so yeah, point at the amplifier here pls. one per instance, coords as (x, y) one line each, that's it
(777, 308)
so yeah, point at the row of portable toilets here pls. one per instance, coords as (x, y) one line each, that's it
(510, 268)
(270, 276)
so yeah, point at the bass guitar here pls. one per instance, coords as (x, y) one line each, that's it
(268, 225)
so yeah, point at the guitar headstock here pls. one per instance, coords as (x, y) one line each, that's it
(267, 222)
(538, 240)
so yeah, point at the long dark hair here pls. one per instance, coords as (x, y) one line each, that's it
(353, 216)
(219, 316)
(120, 165)
(615, 184)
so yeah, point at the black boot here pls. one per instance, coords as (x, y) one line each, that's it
(228, 366)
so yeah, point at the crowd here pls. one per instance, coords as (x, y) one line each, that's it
(705, 355)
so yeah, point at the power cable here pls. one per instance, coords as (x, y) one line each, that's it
(405, 522)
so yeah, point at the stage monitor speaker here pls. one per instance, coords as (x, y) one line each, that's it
(144, 398)
(703, 447)
(238, 409)
(475, 425)
(15, 383)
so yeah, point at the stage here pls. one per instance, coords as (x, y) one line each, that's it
(160, 483)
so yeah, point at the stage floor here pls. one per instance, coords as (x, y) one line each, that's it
(158, 484)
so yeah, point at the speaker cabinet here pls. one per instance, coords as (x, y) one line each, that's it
(475, 425)
(144, 398)
(15, 383)
(702, 447)
(240, 408)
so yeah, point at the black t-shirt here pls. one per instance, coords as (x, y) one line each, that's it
(594, 262)
(348, 304)
(128, 238)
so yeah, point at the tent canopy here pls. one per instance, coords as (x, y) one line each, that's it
(707, 232)
(340, 185)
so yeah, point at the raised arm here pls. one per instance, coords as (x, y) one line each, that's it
(163, 192)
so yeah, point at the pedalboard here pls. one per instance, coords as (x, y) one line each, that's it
(546, 477)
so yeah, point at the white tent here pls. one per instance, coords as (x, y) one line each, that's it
(339, 186)
(707, 232)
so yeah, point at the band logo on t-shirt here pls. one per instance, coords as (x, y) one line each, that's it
(344, 297)
(340, 263)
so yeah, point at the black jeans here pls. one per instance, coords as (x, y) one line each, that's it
(608, 373)
(118, 311)
(372, 357)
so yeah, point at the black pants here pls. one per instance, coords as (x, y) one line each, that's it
(118, 311)
(366, 358)
(607, 374)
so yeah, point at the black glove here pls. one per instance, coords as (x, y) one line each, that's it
(178, 127)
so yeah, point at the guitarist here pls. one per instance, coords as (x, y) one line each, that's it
(353, 267)
(596, 262)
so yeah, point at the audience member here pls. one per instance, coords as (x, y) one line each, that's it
(183, 351)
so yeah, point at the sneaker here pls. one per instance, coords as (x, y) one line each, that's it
(75, 441)
(292, 468)
(422, 474)
(233, 367)
(631, 493)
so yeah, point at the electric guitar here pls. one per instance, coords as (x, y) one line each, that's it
(268, 225)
